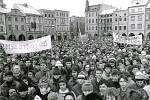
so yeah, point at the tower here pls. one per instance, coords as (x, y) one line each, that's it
(2, 5)
(87, 5)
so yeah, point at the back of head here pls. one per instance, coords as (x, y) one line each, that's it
(93, 96)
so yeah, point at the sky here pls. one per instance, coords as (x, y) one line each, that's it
(76, 7)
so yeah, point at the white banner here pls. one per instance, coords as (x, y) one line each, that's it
(18, 47)
(134, 40)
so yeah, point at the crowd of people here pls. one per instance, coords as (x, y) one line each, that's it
(71, 70)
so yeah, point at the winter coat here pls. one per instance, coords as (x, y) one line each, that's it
(4, 88)
(77, 89)
(147, 89)
(80, 97)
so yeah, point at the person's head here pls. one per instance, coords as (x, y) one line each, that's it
(30, 74)
(107, 68)
(123, 81)
(111, 94)
(99, 73)
(115, 75)
(12, 92)
(87, 67)
(81, 79)
(69, 96)
(103, 87)
(87, 88)
(43, 83)
(93, 96)
(140, 79)
(58, 64)
(26, 80)
(135, 95)
(74, 73)
(56, 73)
(23, 90)
(28, 63)
(8, 76)
(16, 70)
(43, 67)
(135, 69)
(68, 62)
(62, 84)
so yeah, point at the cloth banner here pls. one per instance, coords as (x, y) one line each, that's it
(18, 47)
(134, 40)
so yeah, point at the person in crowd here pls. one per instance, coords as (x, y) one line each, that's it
(86, 71)
(103, 86)
(23, 92)
(98, 79)
(93, 96)
(13, 95)
(87, 88)
(44, 72)
(113, 82)
(63, 89)
(69, 96)
(52, 96)
(77, 89)
(9, 82)
(107, 72)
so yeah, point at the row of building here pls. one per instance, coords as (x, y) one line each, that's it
(103, 19)
(23, 22)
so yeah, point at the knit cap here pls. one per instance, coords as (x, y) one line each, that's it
(87, 86)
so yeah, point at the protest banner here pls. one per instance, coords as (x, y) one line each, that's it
(19, 47)
(134, 40)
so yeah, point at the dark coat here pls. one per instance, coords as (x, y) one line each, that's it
(77, 89)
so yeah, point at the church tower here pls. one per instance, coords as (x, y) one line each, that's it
(87, 5)
(2, 5)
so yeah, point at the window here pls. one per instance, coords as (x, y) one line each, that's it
(116, 14)
(139, 9)
(115, 27)
(96, 21)
(132, 26)
(125, 19)
(52, 22)
(140, 18)
(125, 27)
(1, 18)
(92, 20)
(92, 14)
(139, 26)
(16, 19)
(132, 10)
(148, 16)
(89, 20)
(116, 19)
(148, 26)
(119, 27)
(110, 27)
(107, 27)
(120, 19)
(107, 20)
(16, 27)
(52, 16)
(125, 14)
(9, 18)
(89, 28)
(110, 19)
(49, 15)
(89, 15)
(22, 27)
(132, 18)
(9, 27)
(1, 29)
(92, 27)
(45, 15)
(22, 19)
(96, 27)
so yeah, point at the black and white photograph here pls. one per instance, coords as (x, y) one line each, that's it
(74, 49)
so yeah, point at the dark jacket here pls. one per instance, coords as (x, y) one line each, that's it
(77, 89)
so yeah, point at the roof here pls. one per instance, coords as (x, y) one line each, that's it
(26, 9)
(109, 11)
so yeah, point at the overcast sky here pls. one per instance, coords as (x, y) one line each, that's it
(76, 7)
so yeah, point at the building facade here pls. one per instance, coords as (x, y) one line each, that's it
(136, 20)
(106, 23)
(147, 24)
(120, 22)
(49, 23)
(62, 25)
(3, 11)
(92, 16)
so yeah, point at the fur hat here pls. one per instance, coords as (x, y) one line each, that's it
(140, 76)
(52, 96)
(58, 63)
